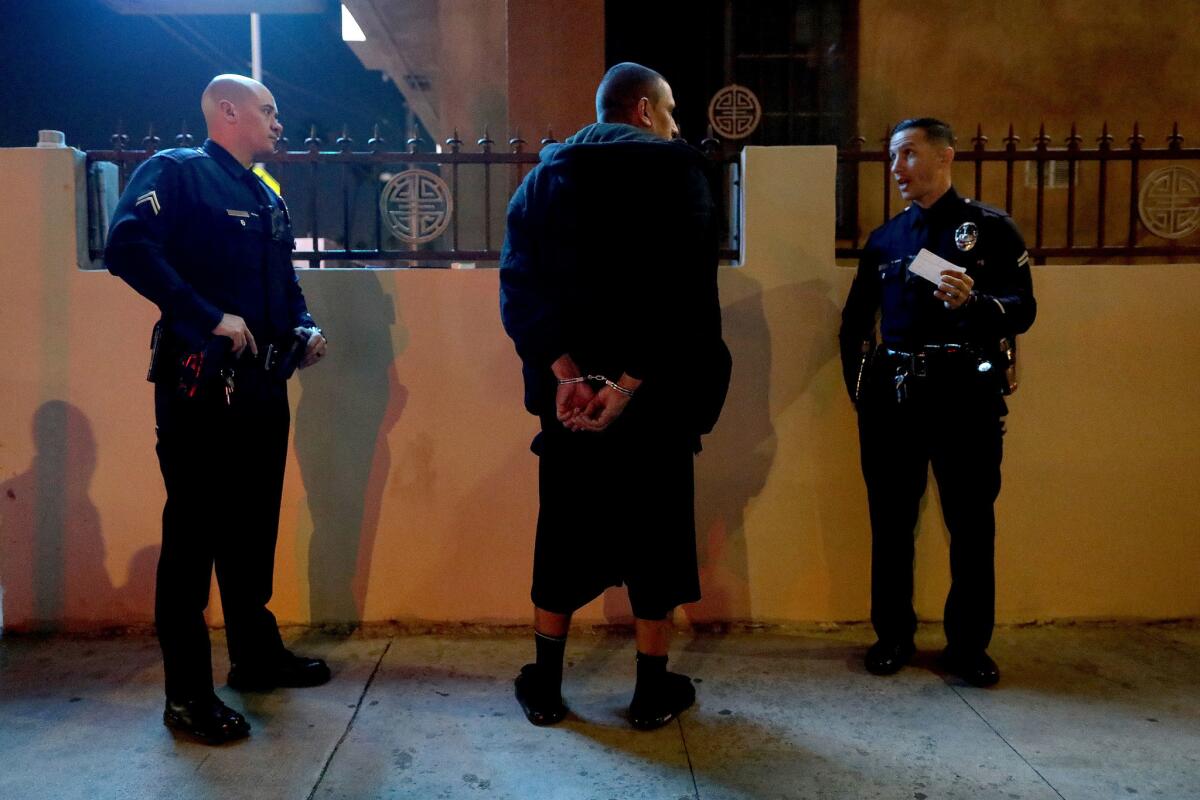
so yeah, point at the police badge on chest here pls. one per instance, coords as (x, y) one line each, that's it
(966, 236)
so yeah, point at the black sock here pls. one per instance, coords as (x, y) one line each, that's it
(650, 671)
(550, 651)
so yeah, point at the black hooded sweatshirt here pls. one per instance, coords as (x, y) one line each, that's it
(610, 255)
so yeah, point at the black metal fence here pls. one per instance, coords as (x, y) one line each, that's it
(1101, 204)
(384, 207)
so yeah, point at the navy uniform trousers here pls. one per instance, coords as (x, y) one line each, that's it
(951, 419)
(223, 469)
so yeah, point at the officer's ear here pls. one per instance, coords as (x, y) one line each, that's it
(947, 156)
(228, 110)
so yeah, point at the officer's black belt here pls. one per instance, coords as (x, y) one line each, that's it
(918, 361)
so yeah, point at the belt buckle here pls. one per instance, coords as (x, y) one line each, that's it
(919, 364)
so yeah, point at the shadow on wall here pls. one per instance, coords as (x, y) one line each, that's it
(738, 456)
(51, 543)
(349, 404)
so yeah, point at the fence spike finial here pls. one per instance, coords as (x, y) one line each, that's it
(376, 142)
(1135, 141)
(485, 144)
(1042, 139)
(516, 143)
(1074, 139)
(120, 139)
(313, 142)
(150, 141)
(183, 138)
(979, 140)
(857, 141)
(454, 143)
(710, 143)
(1175, 141)
(344, 141)
(1106, 138)
(549, 137)
(1011, 141)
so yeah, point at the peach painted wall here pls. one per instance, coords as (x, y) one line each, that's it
(410, 491)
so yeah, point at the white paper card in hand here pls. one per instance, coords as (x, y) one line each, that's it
(930, 267)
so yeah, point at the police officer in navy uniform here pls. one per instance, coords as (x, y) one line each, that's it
(198, 233)
(931, 392)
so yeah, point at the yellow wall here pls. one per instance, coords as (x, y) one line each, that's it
(410, 491)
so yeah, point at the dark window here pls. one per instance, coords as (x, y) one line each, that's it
(800, 57)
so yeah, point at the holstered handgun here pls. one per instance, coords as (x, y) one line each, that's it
(189, 370)
(1008, 351)
(1003, 356)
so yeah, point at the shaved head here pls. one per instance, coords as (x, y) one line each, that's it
(241, 116)
(237, 89)
(638, 96)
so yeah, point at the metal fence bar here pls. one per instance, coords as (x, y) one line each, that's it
(1105, 142)
(485, 145)
(1135, 144)
(980, 142)
(346, 144)
(1073, 149)
(1043, 142)
(314, 147)
(376, 144)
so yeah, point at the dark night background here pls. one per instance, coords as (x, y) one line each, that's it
(80, 67)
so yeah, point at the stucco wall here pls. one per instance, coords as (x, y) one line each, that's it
(410, 491)
(555, 62)
(1029, 62)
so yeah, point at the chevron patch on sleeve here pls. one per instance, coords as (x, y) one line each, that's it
(150, 197)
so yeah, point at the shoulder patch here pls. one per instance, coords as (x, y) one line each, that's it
(150, 198)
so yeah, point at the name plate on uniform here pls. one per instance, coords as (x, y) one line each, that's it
(930, 266)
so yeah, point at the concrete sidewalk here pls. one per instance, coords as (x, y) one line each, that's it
(1082, 713)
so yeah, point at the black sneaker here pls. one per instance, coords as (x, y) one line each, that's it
(287, 670)
(542, 705)
(654, 707)
(206, 719)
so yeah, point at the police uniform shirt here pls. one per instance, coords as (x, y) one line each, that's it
(200, 235)
(981, 239)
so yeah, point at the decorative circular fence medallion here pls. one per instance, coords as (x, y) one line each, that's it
(734, 112)
(1169, 202)
(416, 206)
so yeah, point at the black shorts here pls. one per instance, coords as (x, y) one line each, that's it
(616, 508)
